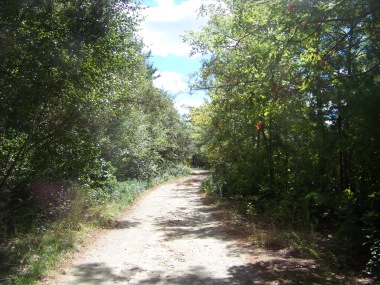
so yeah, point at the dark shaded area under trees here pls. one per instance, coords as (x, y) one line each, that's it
(292, 126)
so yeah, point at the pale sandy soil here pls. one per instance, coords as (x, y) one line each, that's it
(169, 236)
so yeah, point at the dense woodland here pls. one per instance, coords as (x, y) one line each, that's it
(292, 124)
(291, 128)
(78, 115)
(77, 99)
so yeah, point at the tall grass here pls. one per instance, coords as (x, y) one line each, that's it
(46, 236)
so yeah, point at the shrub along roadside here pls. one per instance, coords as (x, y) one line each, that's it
(27, 254)
(266, 226)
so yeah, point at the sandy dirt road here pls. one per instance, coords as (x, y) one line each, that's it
(167, 237)
(170, 236)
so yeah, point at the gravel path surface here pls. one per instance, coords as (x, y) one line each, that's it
(167, 237)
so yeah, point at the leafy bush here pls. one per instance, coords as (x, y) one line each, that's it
(373, 264)
(37, 238)
(214, 186)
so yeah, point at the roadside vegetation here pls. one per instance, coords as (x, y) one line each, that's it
(285, 241)
(43, 237)
(83, 130)
(292, 125)
(291, 129)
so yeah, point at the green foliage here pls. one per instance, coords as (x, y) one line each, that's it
(145, 140)
(77, 101)
(373, 264)
(126, 191)
(38, 240)
(212, 186)
(293, 118)
(78, 110)
(62, 65)
(302, 245)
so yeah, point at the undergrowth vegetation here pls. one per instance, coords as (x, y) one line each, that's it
(36, 237)
(279, 225)
(292, 125)
(83, 129)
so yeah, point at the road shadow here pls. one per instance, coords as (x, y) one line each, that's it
(120, 224)
(196, 221)
(200, 221)
(201, 172)
(204, 220)
(270, 272)
(95, 273)
(124, 224)
(177, 229)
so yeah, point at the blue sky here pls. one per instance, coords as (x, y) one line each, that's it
(165, 21)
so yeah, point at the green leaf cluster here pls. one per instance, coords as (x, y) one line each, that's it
(77, 102)
(294, 111)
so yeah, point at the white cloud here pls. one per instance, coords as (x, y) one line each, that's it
(171, 81)
(183, 103)
(175, 83)
(165, 23)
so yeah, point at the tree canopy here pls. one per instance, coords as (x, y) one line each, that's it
(292, 122)
(77, 101)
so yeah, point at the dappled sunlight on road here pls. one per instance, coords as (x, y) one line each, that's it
(171, 236)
